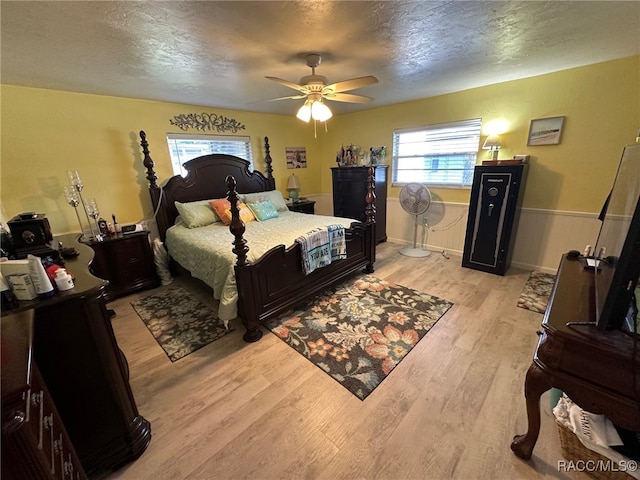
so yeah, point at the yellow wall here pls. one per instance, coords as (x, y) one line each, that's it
(45, 133)
(601, 104)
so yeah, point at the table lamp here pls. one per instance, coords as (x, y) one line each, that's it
(293, 185)
(492, 143)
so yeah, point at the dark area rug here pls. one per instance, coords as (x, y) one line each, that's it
(180, 323)
(359, 330)
(536, 292)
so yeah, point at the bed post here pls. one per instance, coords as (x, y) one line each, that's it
(148, 162)
(246, 306)
(236, 227)
(155, 191)
(370, 214)
(268, 168)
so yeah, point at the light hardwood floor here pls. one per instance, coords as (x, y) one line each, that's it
(234, 410)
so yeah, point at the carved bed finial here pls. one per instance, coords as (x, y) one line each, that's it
(267, 158)
(148, 162)
(236, 227)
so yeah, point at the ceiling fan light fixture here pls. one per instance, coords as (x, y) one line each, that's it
(320, 112)
(304, 113)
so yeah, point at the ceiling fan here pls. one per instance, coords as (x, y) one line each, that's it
(315, 89)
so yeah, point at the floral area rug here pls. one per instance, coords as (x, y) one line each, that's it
(359, 330)
(179, 322)
(536, 292)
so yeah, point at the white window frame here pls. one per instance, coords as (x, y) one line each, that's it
(442, 155)
(238, 145)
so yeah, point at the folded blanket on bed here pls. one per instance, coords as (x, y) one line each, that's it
(321, 246)
(337, 241)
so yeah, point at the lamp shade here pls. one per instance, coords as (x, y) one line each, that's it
(293, 183)
(304, 113)
(320, 112)
(491, 143)
(315, 109)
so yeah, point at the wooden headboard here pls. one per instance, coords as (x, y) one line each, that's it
(205, 180)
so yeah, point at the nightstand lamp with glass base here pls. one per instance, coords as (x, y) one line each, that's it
(293, 185)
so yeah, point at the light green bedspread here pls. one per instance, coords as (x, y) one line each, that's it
(206, 251)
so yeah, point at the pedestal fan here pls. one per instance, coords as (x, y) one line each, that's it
(415, 199)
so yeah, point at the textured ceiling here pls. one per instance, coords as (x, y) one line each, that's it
(217, 54)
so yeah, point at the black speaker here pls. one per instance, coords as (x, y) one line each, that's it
(30, 232)
(494, 208)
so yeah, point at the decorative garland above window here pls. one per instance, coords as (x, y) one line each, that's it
(206, 121)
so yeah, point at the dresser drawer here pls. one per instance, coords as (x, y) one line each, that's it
(352, 174)
(39, 444)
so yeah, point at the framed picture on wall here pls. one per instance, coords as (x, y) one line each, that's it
(545, 131)
(296, 157)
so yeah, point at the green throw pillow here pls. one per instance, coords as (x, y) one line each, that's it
(196, 214)
(274, 196)
(263, 210)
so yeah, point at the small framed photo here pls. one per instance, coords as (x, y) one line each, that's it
(296, 157)
(545, 131)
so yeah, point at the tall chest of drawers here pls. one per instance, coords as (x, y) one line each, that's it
(349, 193)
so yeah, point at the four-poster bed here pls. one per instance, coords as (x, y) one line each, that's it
(270, 280)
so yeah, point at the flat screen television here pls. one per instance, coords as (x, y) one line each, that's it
(618, 248)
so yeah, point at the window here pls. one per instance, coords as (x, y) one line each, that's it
(443, 154)
(184, 147)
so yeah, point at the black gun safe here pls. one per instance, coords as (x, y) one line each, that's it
(494, 208)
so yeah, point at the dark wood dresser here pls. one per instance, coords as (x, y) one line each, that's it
(84, 371)
(126, 260)
(595, 368)
(350, 190)
(35, 443)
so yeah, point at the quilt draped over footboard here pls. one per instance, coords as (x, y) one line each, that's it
(321, 246)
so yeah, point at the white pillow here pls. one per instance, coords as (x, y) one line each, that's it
(196, 214)
(273, 196)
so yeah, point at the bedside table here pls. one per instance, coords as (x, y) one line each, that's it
(303, 206)
(126, 261)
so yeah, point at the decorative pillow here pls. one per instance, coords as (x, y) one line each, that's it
(222, 207)
(263, 210)
(196, 214)
(274, 196)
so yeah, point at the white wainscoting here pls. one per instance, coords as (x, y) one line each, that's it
(542, 236)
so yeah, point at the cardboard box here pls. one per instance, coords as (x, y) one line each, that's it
(22, 286)
(12, 267)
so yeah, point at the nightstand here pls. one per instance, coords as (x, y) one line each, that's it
(303, 206)
(126, 260)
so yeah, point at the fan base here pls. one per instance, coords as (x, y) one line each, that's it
(414, 252)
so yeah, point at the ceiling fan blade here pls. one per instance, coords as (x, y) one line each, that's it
(292, 97)
(351, 84)
(348, 97)
(286, 83)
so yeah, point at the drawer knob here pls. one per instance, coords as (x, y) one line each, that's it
(18, 417)
(36, 398)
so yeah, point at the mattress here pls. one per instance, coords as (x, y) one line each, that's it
(206, 251)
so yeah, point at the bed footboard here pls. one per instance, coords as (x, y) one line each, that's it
(276, 283)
